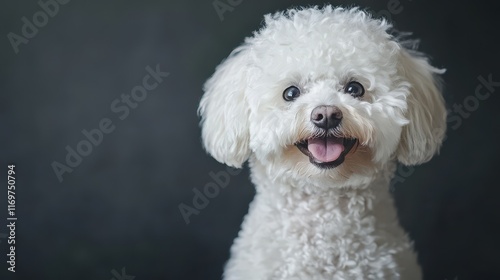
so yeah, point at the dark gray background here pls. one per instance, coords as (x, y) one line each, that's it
(119, 207)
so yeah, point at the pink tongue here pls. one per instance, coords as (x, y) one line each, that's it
(325, 149)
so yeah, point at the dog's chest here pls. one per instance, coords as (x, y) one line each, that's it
(316, 237)
(326, 235)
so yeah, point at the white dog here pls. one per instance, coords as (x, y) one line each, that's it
(323, 103)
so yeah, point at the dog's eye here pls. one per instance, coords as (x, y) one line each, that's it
(355, 89)
(291, 93)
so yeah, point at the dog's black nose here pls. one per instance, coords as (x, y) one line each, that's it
(326, 117)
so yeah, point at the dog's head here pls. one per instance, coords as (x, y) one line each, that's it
(323, 93)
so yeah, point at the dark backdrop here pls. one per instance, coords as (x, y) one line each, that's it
(119, 207)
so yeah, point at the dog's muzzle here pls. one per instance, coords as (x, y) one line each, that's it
(326, 151)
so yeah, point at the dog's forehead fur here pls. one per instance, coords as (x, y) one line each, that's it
(315, 40)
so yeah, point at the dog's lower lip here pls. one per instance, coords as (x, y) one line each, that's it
(347, 142)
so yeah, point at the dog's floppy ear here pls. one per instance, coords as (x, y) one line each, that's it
(224, 111)
(422, 137)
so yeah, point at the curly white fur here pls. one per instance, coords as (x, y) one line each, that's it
(308, 222)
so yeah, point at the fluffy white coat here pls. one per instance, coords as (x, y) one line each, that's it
(308, 222)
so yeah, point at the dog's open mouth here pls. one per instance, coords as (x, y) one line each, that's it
(327, 151)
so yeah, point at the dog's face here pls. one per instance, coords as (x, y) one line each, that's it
(320, 95)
